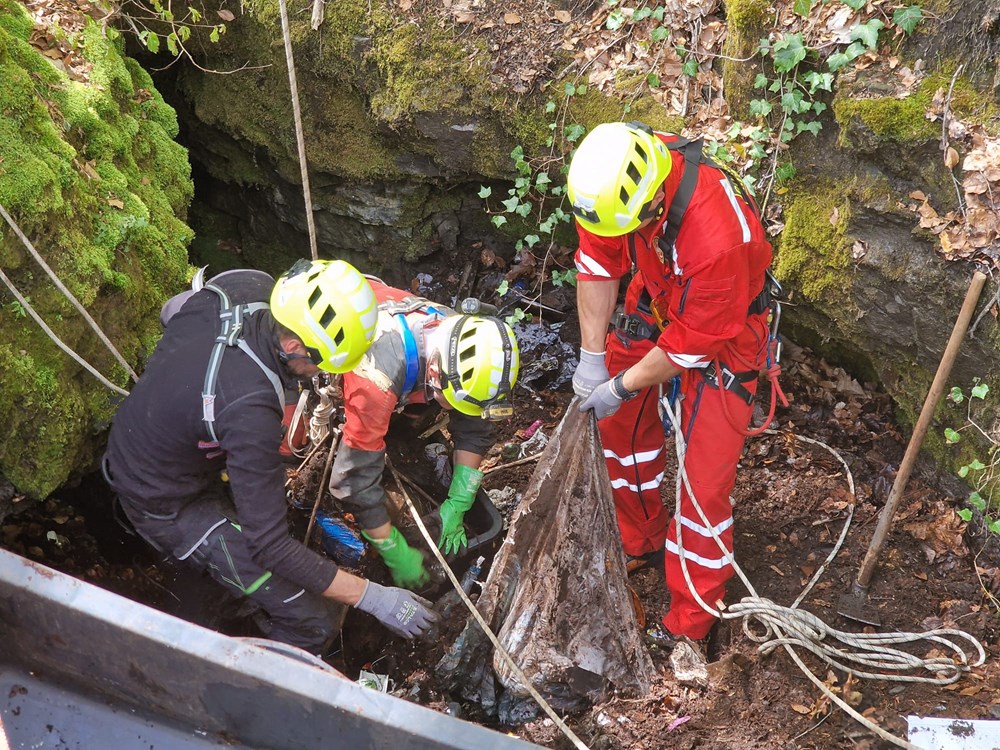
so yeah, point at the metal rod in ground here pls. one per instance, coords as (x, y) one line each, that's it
(334, 442)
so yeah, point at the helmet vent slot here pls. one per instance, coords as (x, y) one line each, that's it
(314, 297)
(623, 195)
(642, 153)
(633, 173)
(339, 338)
(329, 315)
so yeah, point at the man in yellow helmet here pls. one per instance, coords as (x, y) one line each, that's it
(212, 399)
(695, 320)
(423, 353)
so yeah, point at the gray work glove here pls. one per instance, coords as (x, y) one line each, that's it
(590, 373)
(603, 401)
(403, 612)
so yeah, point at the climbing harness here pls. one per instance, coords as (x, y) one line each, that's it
(231, 318)
(665, 403)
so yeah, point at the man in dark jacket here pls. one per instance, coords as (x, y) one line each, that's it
(211, 400)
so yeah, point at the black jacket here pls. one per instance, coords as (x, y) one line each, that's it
(159, 455)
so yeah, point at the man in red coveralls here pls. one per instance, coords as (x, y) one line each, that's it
(696, 308)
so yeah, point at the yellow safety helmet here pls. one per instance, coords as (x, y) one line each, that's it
(331, 306)
(614, 174)
(479, 365)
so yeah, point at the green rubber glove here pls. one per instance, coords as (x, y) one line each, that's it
(465, 483)
(405, 563)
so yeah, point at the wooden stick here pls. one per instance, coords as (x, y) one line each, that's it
(322, 485)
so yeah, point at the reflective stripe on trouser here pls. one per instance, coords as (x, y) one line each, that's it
(713, 450)
(635, 454)
(202, 534)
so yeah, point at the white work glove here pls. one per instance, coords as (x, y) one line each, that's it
(402, 611)
(590, 373)
(603, 401)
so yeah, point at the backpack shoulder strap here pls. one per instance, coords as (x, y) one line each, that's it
(691, 151)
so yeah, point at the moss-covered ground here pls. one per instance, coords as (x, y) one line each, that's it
(92, 174)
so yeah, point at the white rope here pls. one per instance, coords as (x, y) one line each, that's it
(41, 324)
(299, 136)
(68, 294)
(522, 678)
(790, 626)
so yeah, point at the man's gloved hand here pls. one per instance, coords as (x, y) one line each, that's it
(590, 373)
(465, 483)
(404, 613)
(405, 563)
(603, 401)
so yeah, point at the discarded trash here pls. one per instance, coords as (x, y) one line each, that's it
(535, 444)
(471, 576)
(530, 430)
(547, 361)
(340, 541)
(678, 722)
(438, 455)
(931, 733)
(689, 666)
(504, 498)
(374, 681)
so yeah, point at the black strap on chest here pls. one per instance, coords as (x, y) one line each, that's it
(231, 334)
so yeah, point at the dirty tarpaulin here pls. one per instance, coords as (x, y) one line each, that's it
(557, 594)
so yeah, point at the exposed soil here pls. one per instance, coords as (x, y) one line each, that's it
(791, 502)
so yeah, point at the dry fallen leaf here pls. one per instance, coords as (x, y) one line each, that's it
(563, 16)
(226, 15)
(917, 195)
(464, 16)
(951, 158)
(511, 18)
(116, 202)
(800, 709)
(405, 4)
(834, 217)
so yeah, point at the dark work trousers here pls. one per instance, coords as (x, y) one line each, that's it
(206, 534)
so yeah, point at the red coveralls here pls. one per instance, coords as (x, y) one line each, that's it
(717, 269)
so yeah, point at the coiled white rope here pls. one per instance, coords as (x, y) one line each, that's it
(789, 627)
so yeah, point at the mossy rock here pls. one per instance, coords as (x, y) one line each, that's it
(91, 173)
(746, 22)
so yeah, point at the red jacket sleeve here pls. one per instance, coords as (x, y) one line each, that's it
(601, 258)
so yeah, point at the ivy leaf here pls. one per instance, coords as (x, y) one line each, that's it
(854, 50)
(977, 465)
(511, 203)
(976, 501)
(498, 221)
(532, 239)
(951, 437)
(788, 52)
(867, 32)
(802, 7)
(790, 101)
(573, 132)
(836, 61)
(641, 14)
(550, 107)
(659, 33)
(616, 19)
(485, 192)
(818, 107)
(908, 18)
(995, 526)
(653, 80)
(523, 210)
(980, 391)
(503, 288)
(956, 395)
(690, 67)
(965, 514)
(760, 81)
(854, 4)
(659, 12)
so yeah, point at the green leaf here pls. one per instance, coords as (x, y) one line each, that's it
(172, 43)
(659, 33)
(867, 32)
(950, 436)
(616, 19)
(963, 471)
(573, 132)
(855, 50)
(641, 14)
(836, 61)
(995, 526)
(503, 288)
(821, 81)
(214, 35)
(499, 221)
(802, 7)
(956, 395)
(760, 81)
(977, 465)
(518, 153)
(550, 107)
(818, 107)
(690, 67)
(813, 127)
(790, 101)
(523, 210)
(195, 14)
(788, 52)
(908, 18)
(976, 501)
(761, 107)
(653, 80)
(183, 33)
(965, 514)
(485, 192)
(784, 172)
(153, 42)
(855, 4)
(980, 391)
(511, 203)
(532, 239)
(775, 86)
(581, 89)
(658, 13)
